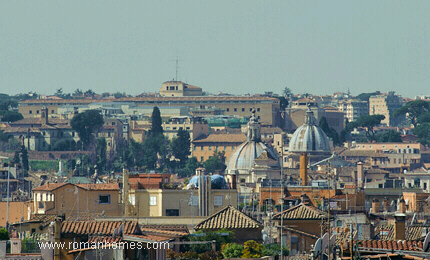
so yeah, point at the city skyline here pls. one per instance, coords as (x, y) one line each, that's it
(132, 47)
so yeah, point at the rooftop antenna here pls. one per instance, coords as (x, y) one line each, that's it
(176, 67)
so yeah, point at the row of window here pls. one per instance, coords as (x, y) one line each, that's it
(194, 200)
(243, 109)
(176, 128)
(38, 112)
(216, 148)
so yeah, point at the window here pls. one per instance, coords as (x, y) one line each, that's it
(201, 148)
(174, 128)
(243, 109)
(235, 110)
(30, 112)
(225, 148)
(194, 200)
(172, 212)
(202, 159)
(104, 199)
(153, 201)
(73, 134)
(258, 109)
(41, 205)
(228, 109)
(250, 110)
(195, 148)
(210, 148)
(113, 123)
(216, 148)
(52, 111)
(167, 127)
(217, 200)
(37, 111)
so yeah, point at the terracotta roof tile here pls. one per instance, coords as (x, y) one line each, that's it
(50, 186)
(300, 212)
(99, 186)
(228, 218)
(222, 138)
(96, 227)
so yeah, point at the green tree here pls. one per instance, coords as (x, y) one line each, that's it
(6, 105)
(274, 249)
(191, 165)
(366, 96)
(252, 249)
(329, 131)
(10, 116)
(86, 123)
(24, 158)
(78, 92)
(368, 122)
(423, 118)
(155, 146)
(64, 145)
(215, 162)
(422, 131)
(16, 158)
(287, 92)
(137, 153)
(156, 127)
(4, 234)
(179, 146)
(231, 250)
(101, 149)
(412, 110)
(389, 137)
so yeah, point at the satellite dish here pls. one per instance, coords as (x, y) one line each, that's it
(121, 229)
(318, 247)
(426, 242)
(324, 242)
(332, 241)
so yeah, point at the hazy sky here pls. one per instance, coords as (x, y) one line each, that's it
(237, 47)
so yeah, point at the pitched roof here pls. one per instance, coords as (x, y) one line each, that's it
(301, 212)
(96, 227)
(406, 245)
(222, 138)
(49, 186)
(228, 218)
(99, 186)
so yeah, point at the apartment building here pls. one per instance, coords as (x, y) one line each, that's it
(386, 105)
(353, 109)
(74, 199)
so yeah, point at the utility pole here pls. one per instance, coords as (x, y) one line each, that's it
(282, 210)
(7, 213)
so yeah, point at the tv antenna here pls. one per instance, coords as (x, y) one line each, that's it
(176, 67)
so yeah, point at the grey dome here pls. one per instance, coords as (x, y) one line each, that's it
(309, 137)
(244, 155)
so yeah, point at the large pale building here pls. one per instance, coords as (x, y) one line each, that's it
(179, 89)
(386, 105)
(267, 108)
(353, 109)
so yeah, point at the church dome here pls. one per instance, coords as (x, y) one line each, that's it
(244, 155)
(309, 137)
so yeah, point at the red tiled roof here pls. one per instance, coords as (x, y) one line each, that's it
(228, 218)
(300, 212)
(148, 237)
(222, 138)
(406, 245)
(96, 227)
(50, 186)
(99, 186)
(163, 232)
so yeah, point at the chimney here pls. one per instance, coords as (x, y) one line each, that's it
(304, 168)
(233, 181)
(360, 175)
(125, 191)
(399, 226)
(305, 199)
(15, 244)
(375, 206)
(402, 206)
(44, 116)
(57, 235)
(203, 191)
(386, 205)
